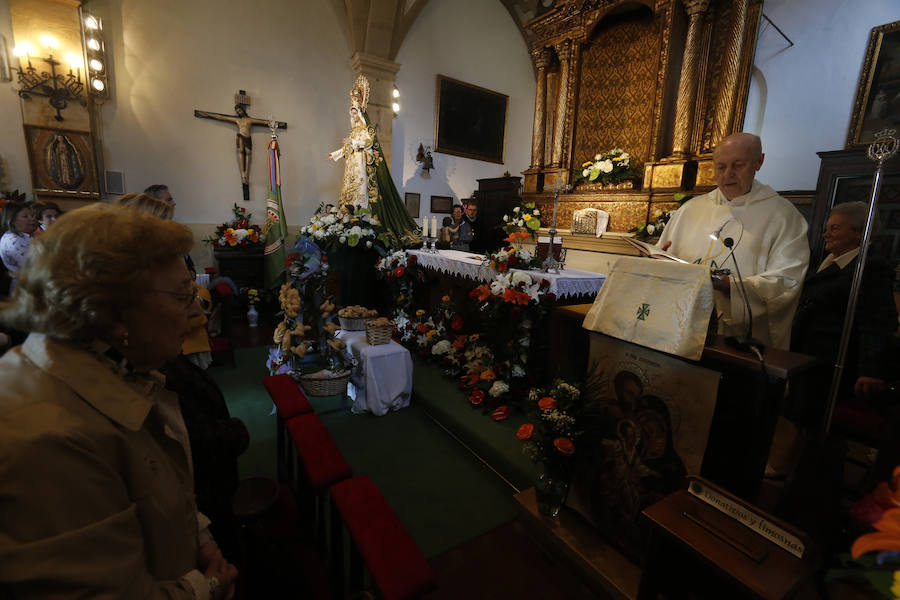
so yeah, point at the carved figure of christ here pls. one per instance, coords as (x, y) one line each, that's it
(244, 142)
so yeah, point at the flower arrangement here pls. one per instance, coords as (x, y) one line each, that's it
(333, 227)
(238, 232)
(305, 340)
(402, 272)
(661, 218)
(252, 295)
(875, 555)
(551, 434)
(612, 166)
(514, 256)
(525, 216)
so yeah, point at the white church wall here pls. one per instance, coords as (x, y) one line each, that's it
(12, 141)
(801, 97)
(476, 42)
(170, 58)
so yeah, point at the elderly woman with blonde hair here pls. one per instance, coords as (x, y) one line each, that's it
(95, 464)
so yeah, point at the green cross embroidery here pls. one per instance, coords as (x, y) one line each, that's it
(643, 311)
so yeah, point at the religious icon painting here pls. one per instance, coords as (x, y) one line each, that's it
(877, 104)
(647, 426)
(412, 200)
(62, 162)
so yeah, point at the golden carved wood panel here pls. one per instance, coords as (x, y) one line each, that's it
(624, 212)
(618, 87)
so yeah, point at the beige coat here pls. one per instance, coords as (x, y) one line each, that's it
(96, 497)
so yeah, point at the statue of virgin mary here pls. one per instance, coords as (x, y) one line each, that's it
(367, 180)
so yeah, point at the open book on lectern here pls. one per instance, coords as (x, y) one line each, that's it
(652, 251)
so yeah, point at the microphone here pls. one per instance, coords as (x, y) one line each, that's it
(741, 342)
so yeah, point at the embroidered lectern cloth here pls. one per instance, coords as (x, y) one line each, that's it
(658, 304)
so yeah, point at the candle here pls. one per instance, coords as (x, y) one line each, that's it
(424, 227)
(434, 231)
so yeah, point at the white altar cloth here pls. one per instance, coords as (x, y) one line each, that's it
(383, 379)
(570, 282)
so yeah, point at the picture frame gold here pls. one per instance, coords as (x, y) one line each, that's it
(62, 162)
(877, 103)
(469, 121)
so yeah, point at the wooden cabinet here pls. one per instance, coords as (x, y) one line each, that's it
(496, 197)
(845, 176)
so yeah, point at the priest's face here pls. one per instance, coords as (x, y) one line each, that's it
(736, 160)
(840, 237)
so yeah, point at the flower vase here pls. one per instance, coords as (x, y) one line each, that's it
(551, 490)
(252, 316)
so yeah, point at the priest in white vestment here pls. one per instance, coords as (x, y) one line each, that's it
(769, 236)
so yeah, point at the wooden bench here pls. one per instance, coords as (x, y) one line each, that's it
(395, 563)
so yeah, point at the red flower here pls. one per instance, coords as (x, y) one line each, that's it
(564, 446)
(482, 293)
(513, 260)
(500, 413)
(422, 327)
(476, 397)
(290, 259)
(399, 271)
(525, 432)
(509, 295)
(460, 342)
(547, 403)
(456, 323)
(502, 267)
(523, 298)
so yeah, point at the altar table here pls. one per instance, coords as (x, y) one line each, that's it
(383, 379)
(569, 282)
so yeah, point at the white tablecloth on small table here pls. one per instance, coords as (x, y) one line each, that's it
(383, 379)
(569, 282)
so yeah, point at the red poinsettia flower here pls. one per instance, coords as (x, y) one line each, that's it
(456, 323)
(526, 430)
(564, 446)
(399, 271)
(547, 403)
(500, 413)
(476, 397)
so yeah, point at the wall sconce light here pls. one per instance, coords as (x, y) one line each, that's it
(423, 156)
(95, 55)
(59, 88)
(395, 105)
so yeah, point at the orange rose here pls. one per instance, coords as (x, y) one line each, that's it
(564, 446)
(547, 403)
(525, 432)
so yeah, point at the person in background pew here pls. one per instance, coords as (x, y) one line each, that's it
(95, 466)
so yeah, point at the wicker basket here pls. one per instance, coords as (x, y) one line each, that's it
(378, 334)
(350, 324)
(330, 386)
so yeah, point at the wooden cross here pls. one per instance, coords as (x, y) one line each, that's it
(244, 124)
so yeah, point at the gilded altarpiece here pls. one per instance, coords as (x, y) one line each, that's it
(663, 79)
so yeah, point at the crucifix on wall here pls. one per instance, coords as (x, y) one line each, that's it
(244, 124)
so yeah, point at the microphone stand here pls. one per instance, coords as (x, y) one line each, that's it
(884, 147)
(743, 342)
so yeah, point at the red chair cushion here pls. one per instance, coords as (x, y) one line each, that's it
(322, 461)
(397, 565)
(286, 395)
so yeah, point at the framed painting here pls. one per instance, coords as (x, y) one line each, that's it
(62, 162)
(412, 204)
(470, 121)
(442, 204)
(877, 104)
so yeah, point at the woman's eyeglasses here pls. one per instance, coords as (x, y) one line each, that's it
(187, 298)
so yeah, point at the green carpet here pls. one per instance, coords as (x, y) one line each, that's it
(443, 495)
